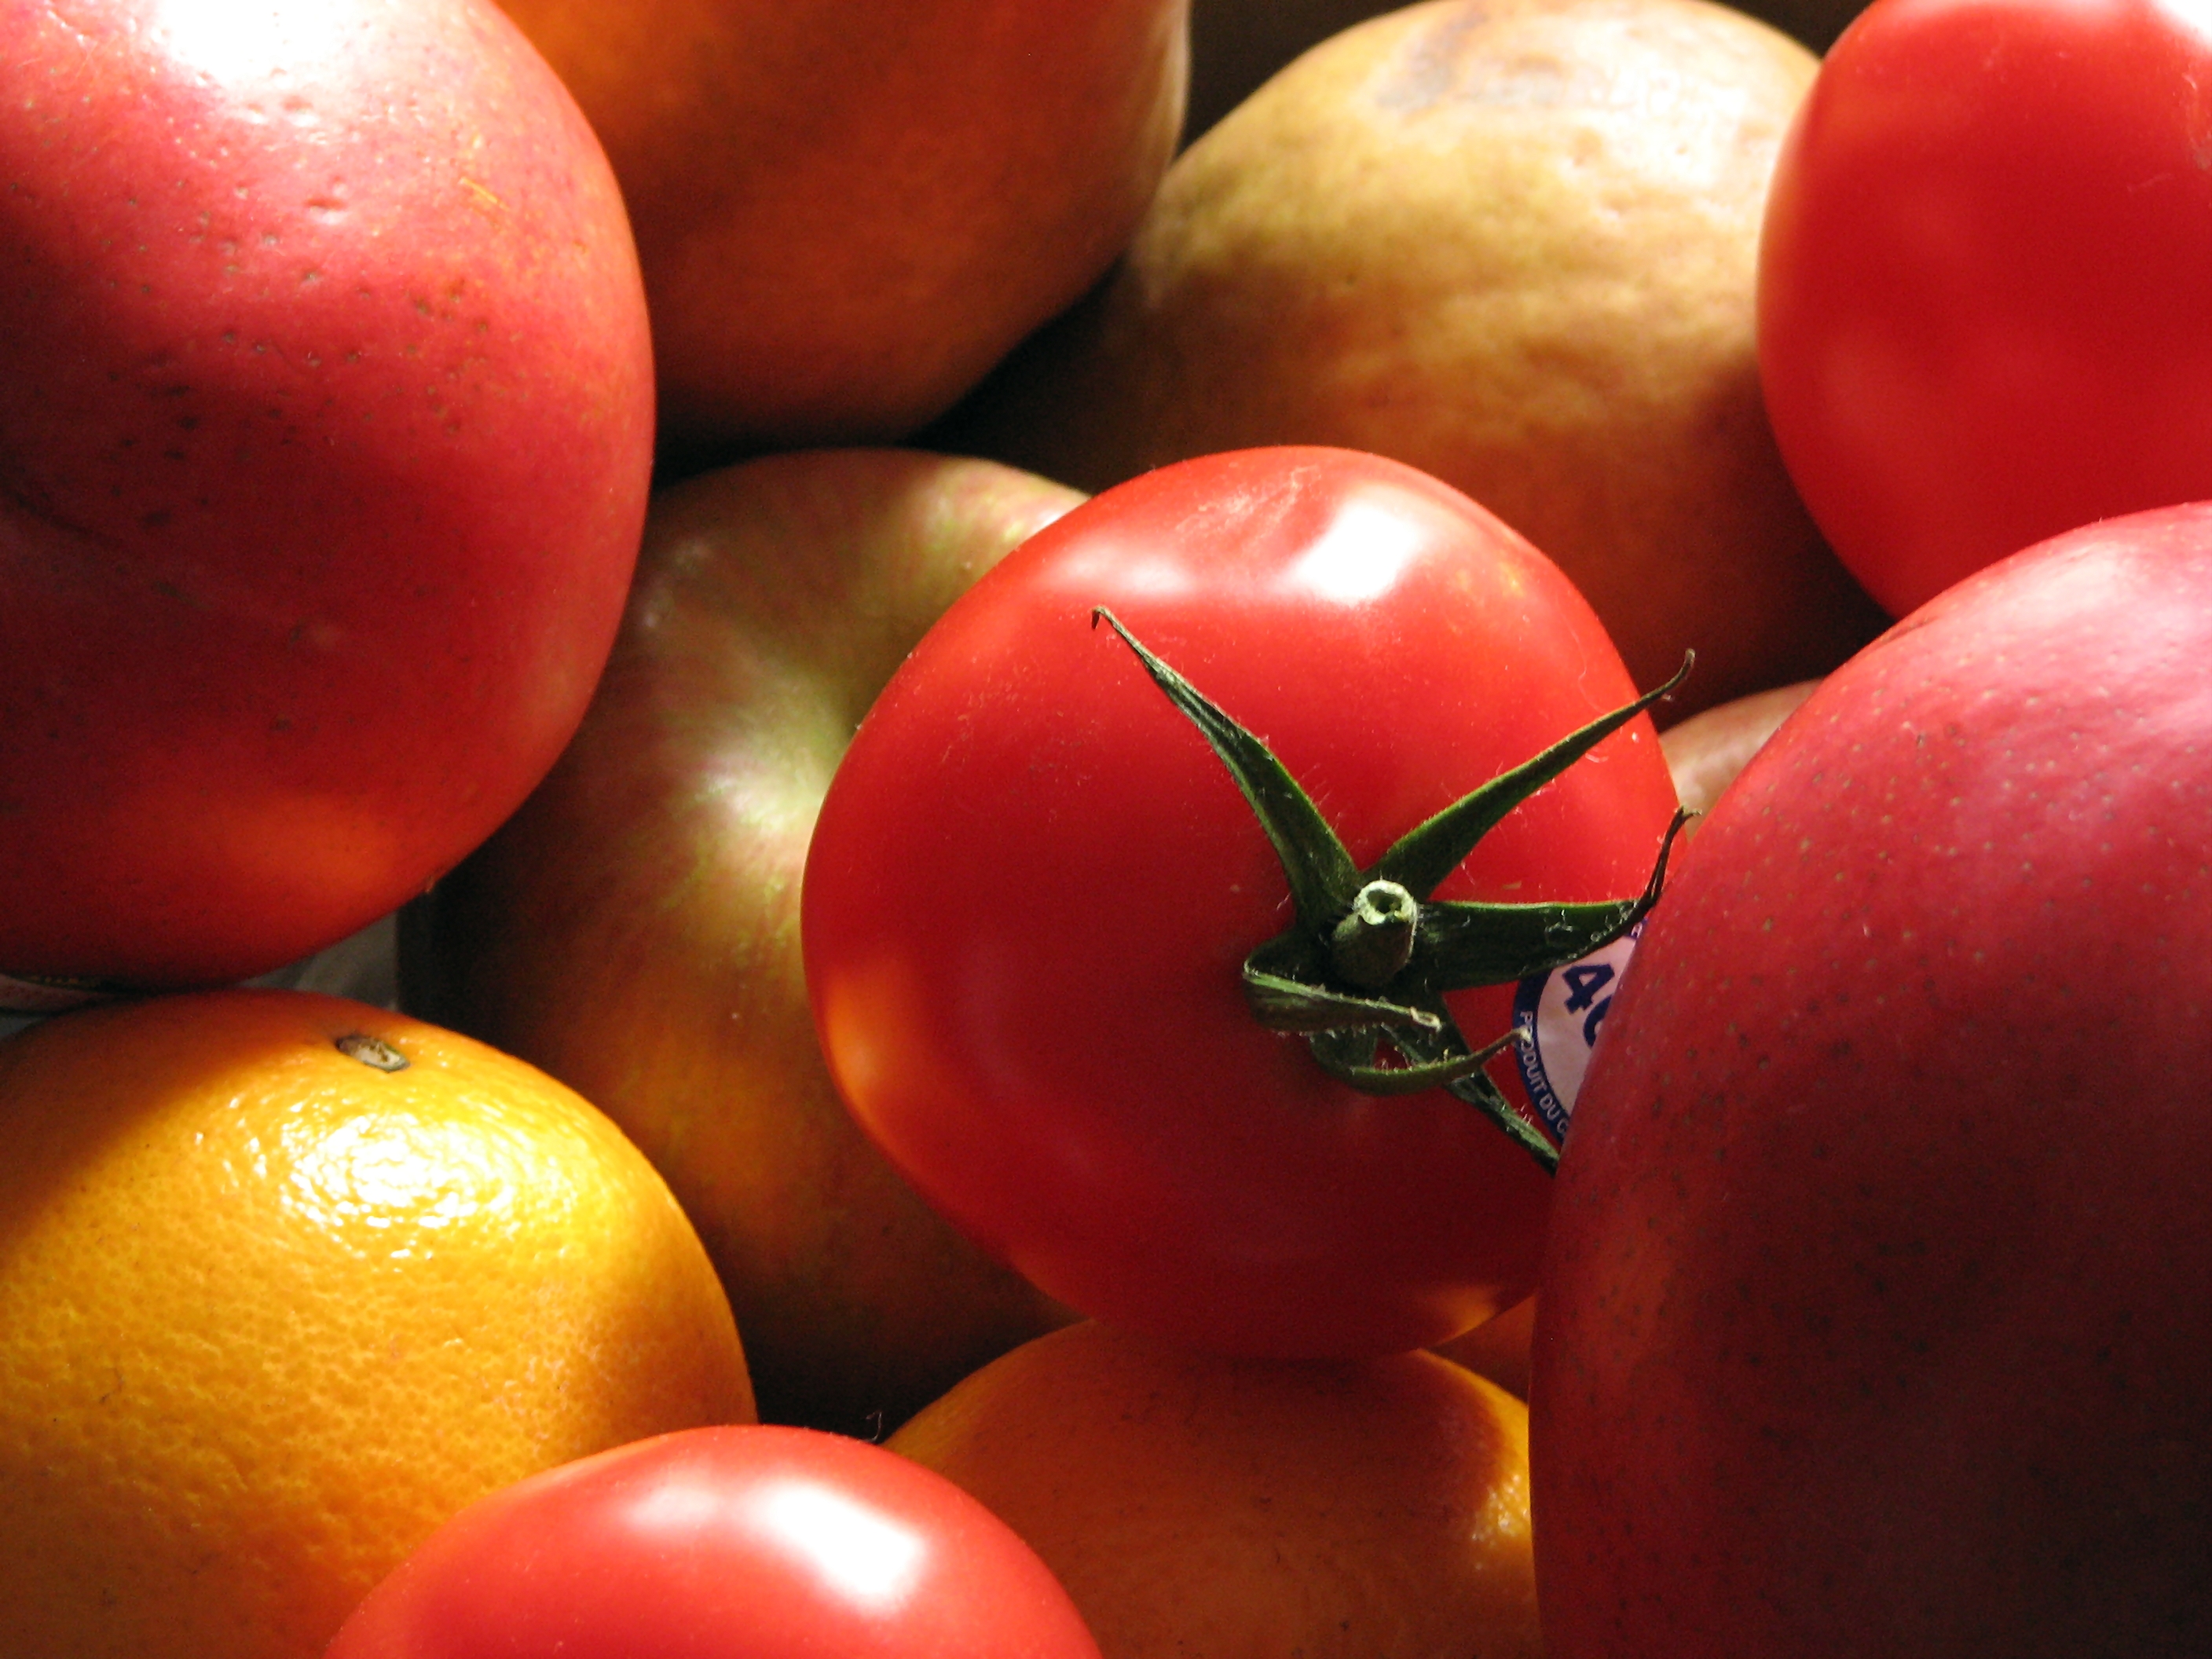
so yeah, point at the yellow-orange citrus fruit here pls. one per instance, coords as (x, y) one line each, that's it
(285, 1281)
(1220, 1508)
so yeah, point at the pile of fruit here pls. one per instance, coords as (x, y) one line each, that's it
(816, 820)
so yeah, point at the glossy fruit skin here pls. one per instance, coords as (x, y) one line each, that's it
(1876, 1313)
(325, 429)
(772, 1542)
(1984, 274)
(1032, 884)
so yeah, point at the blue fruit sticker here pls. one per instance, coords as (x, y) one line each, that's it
(1557, 1017)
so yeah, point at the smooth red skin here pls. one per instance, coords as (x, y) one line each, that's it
(1876, 1313)
(1032, 884)
(673, 1548)
(325, 429)
(1984, 279)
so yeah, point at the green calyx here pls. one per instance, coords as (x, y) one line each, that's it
(1361, 972)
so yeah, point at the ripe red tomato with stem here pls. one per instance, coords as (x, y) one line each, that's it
(772, 1542)
(1985, 277)
(1876, 1311)
(1066, 933)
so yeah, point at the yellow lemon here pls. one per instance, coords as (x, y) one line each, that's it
(286, 1280)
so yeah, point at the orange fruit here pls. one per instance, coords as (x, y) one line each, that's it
(1194, 1505)
(285, 1281)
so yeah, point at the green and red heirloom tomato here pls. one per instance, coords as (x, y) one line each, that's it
(770, 1542)
(325, 432)
(1876, 1311)
(1985, 279)
(1043, 921)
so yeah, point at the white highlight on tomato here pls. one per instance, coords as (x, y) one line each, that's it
(1361, 554)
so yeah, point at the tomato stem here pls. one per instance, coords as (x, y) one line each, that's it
(1372, 954)
(1375, 939)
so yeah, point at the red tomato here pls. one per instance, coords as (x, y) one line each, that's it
(1033, 885)
(1876, 1315)
(772, 1543)
(1985, 279)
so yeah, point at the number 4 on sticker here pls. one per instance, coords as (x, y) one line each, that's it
(1584, 982)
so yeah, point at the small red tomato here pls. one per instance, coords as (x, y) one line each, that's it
(1985, 279)
(1043, 921)
(772, 1543)
(1876, 1312)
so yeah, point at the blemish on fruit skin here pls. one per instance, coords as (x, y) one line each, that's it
(371, 1051)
